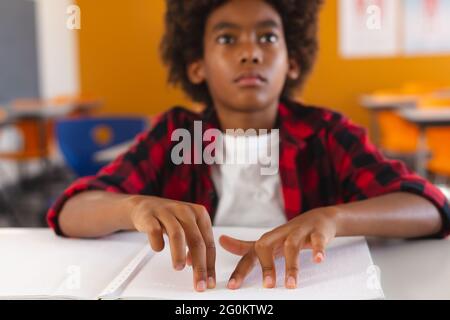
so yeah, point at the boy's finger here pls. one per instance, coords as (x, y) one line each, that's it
(198, 256)
(243, 268)
(176, 238)
(265, 253)
(318, 243)
(205, 226)
(235, 246)
(155, 234)
(291, 249)
(189, 258)
(196, 245)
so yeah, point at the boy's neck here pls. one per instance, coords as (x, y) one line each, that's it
(258, 119)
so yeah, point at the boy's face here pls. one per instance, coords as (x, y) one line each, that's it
(245, 62)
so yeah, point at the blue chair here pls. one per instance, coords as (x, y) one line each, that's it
(79, 139)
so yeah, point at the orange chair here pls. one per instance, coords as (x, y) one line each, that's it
(397, 136)
(34, 147)
(437, 139)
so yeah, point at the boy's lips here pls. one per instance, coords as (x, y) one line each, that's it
(250, 79)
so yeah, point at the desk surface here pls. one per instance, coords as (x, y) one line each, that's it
(397, 101)
(408, 269)
(40, 112)
(427, 117)
(43, 110)
(378, 103)
(413, 269)
(443, 94)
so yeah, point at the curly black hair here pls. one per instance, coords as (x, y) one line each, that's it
(182, 42)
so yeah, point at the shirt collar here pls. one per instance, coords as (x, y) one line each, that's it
(293, 121)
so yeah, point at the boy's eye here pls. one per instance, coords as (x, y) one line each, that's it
(269, 38)
(225, 39)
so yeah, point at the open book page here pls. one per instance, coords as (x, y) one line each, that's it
(345, 274)
(121, 281)
(37, 264)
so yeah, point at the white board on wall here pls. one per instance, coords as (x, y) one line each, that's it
(368, 28)
(427, 27)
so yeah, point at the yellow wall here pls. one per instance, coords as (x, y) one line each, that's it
(120, 62)
(119, 57)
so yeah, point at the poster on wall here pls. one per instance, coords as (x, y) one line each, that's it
(427, 27)
(369, 28)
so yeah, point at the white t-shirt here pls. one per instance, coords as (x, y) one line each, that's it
(247, 197)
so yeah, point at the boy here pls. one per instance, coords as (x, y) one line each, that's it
(243, 59)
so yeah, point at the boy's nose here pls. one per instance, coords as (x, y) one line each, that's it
(250, 54)
(254, 60)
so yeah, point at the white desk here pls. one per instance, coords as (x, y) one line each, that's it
(388, 102)
(42, 112)
(47, 110)
(413, 269)
(409, 269)
(429, 117)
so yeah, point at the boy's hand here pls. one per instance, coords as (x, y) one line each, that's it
(313, 230)
(184, 223)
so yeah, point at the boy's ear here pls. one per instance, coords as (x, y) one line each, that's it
(294, 70)
(196, 72)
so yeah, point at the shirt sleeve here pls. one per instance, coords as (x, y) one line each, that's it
(363, 172)
(137, 171)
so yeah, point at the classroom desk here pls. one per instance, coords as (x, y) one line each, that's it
(375, 104)
(41, 113)
(43, 110)
(423, 119)
(388, 102)
(442, 94)
(408, 269)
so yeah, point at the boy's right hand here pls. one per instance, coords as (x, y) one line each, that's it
(185, 224)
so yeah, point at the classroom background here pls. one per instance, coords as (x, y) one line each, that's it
(79, 79)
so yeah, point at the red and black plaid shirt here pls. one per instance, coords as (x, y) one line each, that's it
(325, 160)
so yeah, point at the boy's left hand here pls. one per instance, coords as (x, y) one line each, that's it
(311, 230)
